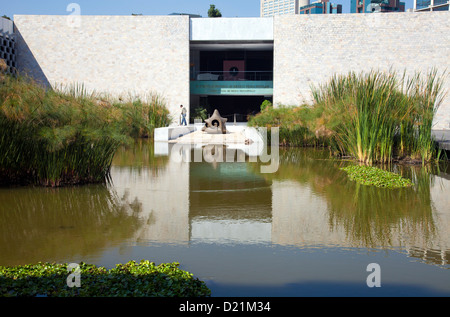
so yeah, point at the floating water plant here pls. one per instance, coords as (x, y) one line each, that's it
(132, 279)
(374, 176)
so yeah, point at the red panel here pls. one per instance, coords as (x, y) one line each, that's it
(234, 70)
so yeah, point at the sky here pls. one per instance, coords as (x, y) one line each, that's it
(228, 8)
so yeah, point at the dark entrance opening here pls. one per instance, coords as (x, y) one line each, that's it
(229, 106)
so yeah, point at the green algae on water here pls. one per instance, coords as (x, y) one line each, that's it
(369, 175)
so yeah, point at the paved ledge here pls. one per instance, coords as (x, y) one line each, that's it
(200, 137)
(172, 132)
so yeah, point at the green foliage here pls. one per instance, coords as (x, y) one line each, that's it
(53, 138)
(370, 175)
(140, 118)
(213, 12)
(381, 115)
(200, 113)
(132, 279)
(265, 105)
(293, 124)
(375, 117)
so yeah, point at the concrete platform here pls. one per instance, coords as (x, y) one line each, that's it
(200, 137)
(238, 137)
(166, 134)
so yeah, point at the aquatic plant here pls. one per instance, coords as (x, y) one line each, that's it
(132, 279)
(370, 175)
(51, 137)
(374, 117)
(382, 114)
(292, 123)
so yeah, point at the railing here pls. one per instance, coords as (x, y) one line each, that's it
(233, 75)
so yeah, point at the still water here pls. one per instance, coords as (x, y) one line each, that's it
(304, 230)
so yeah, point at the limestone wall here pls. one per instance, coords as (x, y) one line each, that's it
(121, 55)
(308, 49)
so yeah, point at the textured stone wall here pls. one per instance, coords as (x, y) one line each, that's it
(308, 49)
(120, 55)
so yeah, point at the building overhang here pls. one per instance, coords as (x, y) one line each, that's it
(231, 45)
(231, 29)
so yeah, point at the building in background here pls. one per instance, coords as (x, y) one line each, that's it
(8, 44)
(320, 7)
(229, 64)
(431, 5)
(270, 8)
(368, 6)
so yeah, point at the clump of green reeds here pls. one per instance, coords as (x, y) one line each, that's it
(142, 116)
(139, 115)
(375, 117)
(52, 138)
(292, 122)
(382, 115)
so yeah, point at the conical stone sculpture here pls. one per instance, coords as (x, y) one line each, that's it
(215, 124)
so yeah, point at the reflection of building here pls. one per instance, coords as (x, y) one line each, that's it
(321, 7)
(164, 197)
(431, 5)
(368, 6)
(229, 203)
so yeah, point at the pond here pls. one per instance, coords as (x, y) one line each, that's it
(304, 230)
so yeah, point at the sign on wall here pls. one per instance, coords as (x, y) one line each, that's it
(232, 88)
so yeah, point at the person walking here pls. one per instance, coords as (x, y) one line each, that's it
(183, 115)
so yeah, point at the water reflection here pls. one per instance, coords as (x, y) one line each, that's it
(41, 224)
(315, 203)
(229, 204)
(155, 200)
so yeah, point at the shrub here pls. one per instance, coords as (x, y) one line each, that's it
(144, 279)
(52, 137)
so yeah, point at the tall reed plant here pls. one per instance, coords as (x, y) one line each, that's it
(52, 137)
(382, 115)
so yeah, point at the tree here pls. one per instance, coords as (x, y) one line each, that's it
(213, 12)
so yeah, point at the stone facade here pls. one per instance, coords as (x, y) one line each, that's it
(308, 49)
(136, 55)
(120, 55)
